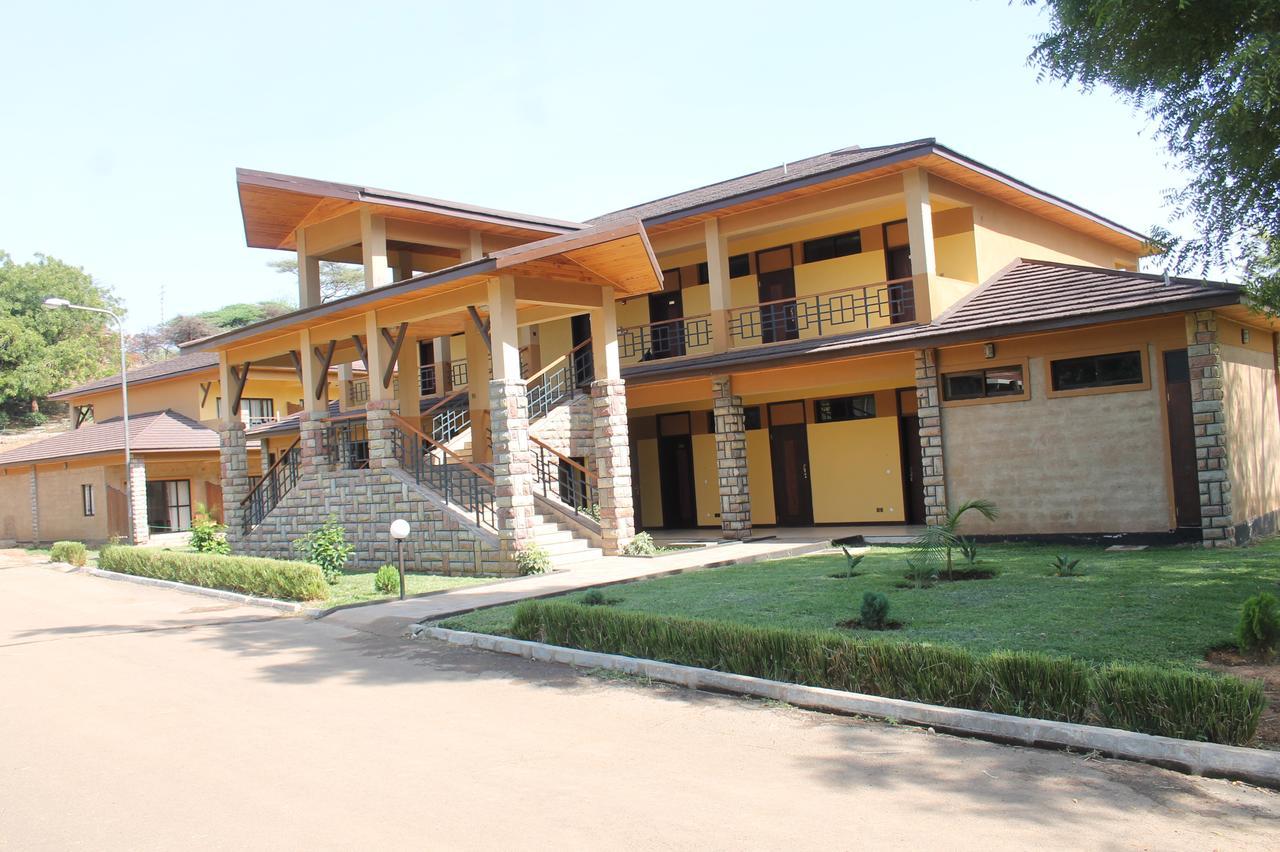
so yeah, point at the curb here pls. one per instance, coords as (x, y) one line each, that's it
(1210, 759)
(234, 597)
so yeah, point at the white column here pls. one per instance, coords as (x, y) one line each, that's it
(604, 337)
(379, 354)
(504, 340)
(718, 272)
(373, 245)
(308, 274)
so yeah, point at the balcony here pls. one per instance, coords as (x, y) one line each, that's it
(843, 311)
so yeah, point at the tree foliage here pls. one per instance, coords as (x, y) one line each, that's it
(1208, 75)
(42, 351)
(336, 279)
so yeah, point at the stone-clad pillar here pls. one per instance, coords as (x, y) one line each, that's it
(929, 413)
(1204, 355)
(235, 479)
(137, 483)
(512, 462)
(381, 426)
(731, 459)
(314, 453)
(612, 459)
(35, 507)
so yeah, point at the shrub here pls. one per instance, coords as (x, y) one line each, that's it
(387, 580)
(1258, 632)
(327, 547)
(533, 560)
(641, 545)
(1064, 567)
(595, 597)
(207, 535)
(268, 578)
(874, 613)
(1176, 703)
(71, 552)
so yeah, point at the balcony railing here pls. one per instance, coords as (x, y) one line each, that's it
(665, 339)
(346, 440)
(559, 477)
(448, 417)
(271, 488)
(433, 465)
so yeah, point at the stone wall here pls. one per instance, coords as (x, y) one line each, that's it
(929, 412)
(567, 428)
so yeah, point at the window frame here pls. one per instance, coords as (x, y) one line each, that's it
(745, 259)
(832, 241)
(1144, 358)
(817, 421)
(984, 366)
(88, 504)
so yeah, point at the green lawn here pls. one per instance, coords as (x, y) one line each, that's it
(1158, 605)
(357, 586)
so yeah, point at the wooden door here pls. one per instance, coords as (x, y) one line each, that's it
(675, 472)
(789, 454)
(666, 340)
(897, 266)
(584, 371)
(427, 384)
(912, 468)
(776, 285)
(1182, 443)
(213, 492)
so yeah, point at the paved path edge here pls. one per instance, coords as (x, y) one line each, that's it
(220, 594)
(1255, 766)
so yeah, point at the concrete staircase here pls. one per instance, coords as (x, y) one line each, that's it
(561, 542)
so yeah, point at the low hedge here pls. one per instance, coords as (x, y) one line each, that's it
(71, 552)
(1168, 702)
(266, 578)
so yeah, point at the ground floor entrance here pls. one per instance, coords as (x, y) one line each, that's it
(169, 505)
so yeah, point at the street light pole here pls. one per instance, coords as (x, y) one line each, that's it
(63, 304)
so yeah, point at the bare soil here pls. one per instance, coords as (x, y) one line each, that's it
(1230, 661)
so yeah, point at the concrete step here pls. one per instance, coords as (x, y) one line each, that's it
(585, 555)
(573, 545)
(547, 539)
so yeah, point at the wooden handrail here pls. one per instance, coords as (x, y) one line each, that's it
(591, 477)
(279, 461)
(405, 424)
(793, 299)
(554, 363)
(448, 399)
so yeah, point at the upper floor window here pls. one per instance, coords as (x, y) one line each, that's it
(739, 265)
(253, 411)
(844, 408)
(704, 273)
(982, 384)
(1097, 371)
(836, 245)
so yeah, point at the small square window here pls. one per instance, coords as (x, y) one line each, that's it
(739, 265)
(982, 384)
(844, 408)
(753, 418)
(704, 273)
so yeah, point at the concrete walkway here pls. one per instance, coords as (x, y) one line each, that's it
(394, 619)
(143, 719)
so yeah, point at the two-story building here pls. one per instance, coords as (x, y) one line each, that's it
(863, 337)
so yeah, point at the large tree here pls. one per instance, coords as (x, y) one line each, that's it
(336, 279)
(42, 350)
(1207, 72)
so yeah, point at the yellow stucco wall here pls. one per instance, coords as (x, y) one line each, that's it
(1253, 423)
(650, 483)
(706, 481)
(760, 477)
(15, 503)
(181, 394)
(856, 471)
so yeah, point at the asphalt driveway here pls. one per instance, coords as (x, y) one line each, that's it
(137, 718)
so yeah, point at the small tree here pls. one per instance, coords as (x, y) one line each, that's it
(938, 541)
(328, 548)
(207, 535)
(1258, 632)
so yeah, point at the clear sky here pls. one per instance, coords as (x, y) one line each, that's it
(124, 121)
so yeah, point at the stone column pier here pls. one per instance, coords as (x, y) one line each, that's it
(731, 459)
(929, 412)
(612, 459)
(512, 462)
(235, 479)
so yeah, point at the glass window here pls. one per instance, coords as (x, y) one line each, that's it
(739, 265)
(1097, 371)
(86, 498)
(844, 408)
(704, 273)
(836, 245)
(752, 416)
(981, 384)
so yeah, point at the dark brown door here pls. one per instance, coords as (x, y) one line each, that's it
(912, 468)
(789, 452)
(427, 385)
(1182, 442)
(583, 359)
(897, 266)
(675, 471)
(776, 285)
(666, 339)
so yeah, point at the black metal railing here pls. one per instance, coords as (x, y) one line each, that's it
(435, 466)
(560, 380)
(347, 442)
(427, 380)
(270, 489)
(665, 339)
(837, 311)
(449, 419)
(561, 478)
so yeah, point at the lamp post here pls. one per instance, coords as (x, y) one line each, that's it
(55, 303)
(400, 531)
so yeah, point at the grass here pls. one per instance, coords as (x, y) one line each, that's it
(357, 587)
(1162, 605)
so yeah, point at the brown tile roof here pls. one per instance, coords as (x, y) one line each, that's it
(156, 431)
(779, 175)
(193, 362)
(1025, 296)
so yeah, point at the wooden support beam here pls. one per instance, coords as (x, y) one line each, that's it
(360, 348)
(325, 359)
(297, 366)
(205, 387)
(393, 344)
(482, 327)
(238, 380)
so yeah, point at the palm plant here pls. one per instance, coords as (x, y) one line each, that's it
(853, 559)
(938, 541)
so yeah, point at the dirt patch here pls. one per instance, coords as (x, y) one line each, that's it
(856, 624)
(844, 575)
(966, 574)
(1229, 661)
